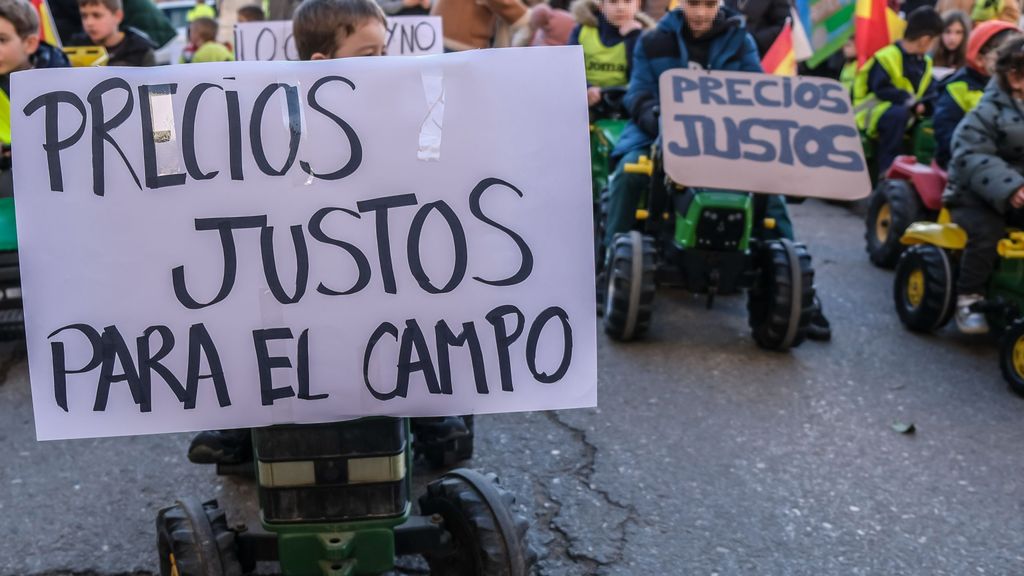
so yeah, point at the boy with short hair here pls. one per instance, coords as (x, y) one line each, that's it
(607, 31)
(101, 20)
(20, 49)
(895, 85)
(326, 29)
(251, 13)
(202, 33)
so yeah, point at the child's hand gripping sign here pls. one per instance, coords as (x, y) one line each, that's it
(245, 244)
(761, 133)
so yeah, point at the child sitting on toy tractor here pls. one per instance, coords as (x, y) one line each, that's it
(962, 91)
(986, 181)
(895, 86)
(607, 31)
(699, 34)
(443, 440)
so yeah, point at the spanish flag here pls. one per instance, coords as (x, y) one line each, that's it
(47, 29)
(781, 57)
(871, 31)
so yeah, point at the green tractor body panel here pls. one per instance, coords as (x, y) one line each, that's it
(355, 548)
(8, 229)
(1007, 284)
(603, 136)
(922, 141)
(363, 545)
(688, 225)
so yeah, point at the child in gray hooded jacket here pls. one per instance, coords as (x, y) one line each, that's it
(986, 180)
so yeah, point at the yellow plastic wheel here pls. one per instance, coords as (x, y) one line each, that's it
(1018, 356)
(915, 288)
(883, 221)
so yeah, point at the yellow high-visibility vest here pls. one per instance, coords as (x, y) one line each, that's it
(606, 65)
(867, 107)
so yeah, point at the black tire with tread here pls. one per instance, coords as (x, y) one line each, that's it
(770, 303)
(625, 318)
(197, 535)
(489, 536)
(905, 208)
(939, 299)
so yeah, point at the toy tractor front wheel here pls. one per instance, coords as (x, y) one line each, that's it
(489, 537)
(629, 299)
(1011, 356)
(193, 539)
(893, 207)
(923, 290)
(782, 302)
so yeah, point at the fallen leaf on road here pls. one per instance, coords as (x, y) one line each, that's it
(904, 427)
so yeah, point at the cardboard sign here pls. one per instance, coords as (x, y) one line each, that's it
(272, 40)
(244, 244)
(761, 133)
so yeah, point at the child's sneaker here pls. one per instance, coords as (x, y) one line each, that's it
(967, 320)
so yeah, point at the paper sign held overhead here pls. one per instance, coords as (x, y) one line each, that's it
(245, 244)
(272, 39)
(761, 133)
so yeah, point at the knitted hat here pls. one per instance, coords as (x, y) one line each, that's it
(924, 21)
(980, 36)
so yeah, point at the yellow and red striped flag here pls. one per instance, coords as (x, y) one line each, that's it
(871, 32)
(47, 29)
(780, 59)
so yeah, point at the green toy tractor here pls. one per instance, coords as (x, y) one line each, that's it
(707, 242)
(608, 118)
(335, 500)
(925, 288)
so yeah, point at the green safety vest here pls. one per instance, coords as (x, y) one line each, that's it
(867, 107)
(201, 11)
(606, 66)
(966, 98)
(5, 118)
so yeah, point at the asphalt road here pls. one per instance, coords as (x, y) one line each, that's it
(706, 456)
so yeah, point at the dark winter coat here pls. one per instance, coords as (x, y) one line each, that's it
(988, 153)
(765, 19)
(726, 47)
(134, 50)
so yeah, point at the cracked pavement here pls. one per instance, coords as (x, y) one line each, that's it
(706, 455)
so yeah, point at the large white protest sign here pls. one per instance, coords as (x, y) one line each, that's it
(761, 133)
(272, 39)
(243, 244)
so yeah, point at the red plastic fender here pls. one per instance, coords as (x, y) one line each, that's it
(928, 180)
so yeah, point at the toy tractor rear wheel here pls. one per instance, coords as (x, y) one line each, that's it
(923, 289)
(781, 303)
(893, 207)
(1011, 356)
(193, 539)
(630, 269)
(489, 537)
